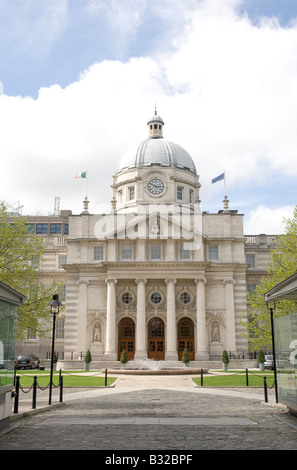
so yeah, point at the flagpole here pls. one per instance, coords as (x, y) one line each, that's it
(225, 183)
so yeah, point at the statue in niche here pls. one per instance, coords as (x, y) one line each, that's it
(215, 332)
(155, 228)
(97, 333)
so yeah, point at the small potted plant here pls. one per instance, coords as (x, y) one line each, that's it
(225, 360)
(261, 360)
(88, 360)
(123, 358)
(186, 359)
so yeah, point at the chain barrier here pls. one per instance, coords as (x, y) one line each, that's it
(34, 387)
(247, 372)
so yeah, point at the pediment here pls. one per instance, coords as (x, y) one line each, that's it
(152, 225)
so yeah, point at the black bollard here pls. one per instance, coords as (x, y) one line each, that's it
(105, 377)
(265, 390)
(16, 398)
(61, 388)
(34, 392)
(201, 377)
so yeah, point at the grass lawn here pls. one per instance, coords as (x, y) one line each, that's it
(77, 380)
(236, 379)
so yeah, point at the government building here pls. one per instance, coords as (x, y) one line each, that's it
(156, 275)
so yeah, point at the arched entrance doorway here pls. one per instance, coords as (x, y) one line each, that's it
(126, 338)
(156, 342)
(186, 338)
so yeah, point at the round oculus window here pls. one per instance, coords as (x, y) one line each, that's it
(156, 298)
(185, 298)
(127, 298)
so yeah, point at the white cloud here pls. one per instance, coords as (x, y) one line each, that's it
(227, 93)
(266, 220)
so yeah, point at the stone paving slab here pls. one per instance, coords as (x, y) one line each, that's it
(81, 421)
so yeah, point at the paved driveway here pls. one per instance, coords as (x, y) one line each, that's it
(157, 414)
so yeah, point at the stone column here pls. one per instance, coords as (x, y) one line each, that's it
(110, 343)
(201, 348)
(171, 339)
(230, 315)
(82, 317)
(140, 347)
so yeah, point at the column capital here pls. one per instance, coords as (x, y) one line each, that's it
(138, 281)
(110, 281)
(82, 282)
(170, 280)
(200, 279)
(229, 281)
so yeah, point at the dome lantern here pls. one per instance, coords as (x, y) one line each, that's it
(155, 126)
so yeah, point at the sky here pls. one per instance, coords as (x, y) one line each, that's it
(79, 79)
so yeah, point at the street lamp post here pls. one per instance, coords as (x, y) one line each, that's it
(55, 306)
(273, 349)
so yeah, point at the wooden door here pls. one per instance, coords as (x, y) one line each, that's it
(186, 338)
(126, 338)
(156, 341)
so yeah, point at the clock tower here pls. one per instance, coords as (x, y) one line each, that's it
(155, 171)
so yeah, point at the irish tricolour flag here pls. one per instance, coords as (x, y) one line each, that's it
(83, 174)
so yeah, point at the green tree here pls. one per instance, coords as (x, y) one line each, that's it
(186, 358)
(123, 358)
(283, 263)
(20, 255)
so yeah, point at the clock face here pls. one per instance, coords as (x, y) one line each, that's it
(155, 186)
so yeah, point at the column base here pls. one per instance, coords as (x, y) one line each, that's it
(171, 356)
(140, 356)
(202, 356)
(110, 356)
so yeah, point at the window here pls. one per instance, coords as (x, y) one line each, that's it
(98, 253)
(250, 259)
(127, 298)
(184, 254)
(156, 297)
(126, 252)
(30, 228)
(62, 260)
(63, 293)
(155, 251)
(131, 193)
(60, 328)
(191, 196)
(185, 298)
(41, 228)
(66, 229)
(251, 288)
(179, 193)
(31, 334)
(213, 252)
(55, 228)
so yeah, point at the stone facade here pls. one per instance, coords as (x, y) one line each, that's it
(155, 276)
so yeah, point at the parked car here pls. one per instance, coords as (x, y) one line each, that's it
(268, 362)
(27, 361)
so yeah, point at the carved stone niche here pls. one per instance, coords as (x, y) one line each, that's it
(216, 331)
(96, 340)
